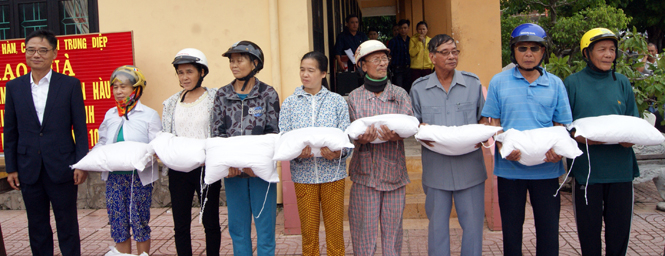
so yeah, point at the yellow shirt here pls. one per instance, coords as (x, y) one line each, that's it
(419, 53)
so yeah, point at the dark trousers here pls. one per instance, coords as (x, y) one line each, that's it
(418, 73)
(401, 77)
(38, 198)
(182, 187)
(611, 202)
(546, 207)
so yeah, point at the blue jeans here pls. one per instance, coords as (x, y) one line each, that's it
(245, 198)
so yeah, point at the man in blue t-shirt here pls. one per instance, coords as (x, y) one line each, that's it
(523, 98)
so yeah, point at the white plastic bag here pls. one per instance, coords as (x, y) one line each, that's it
(290, 144)
(613, 129)
(404, 125)
(534, 144)
(121, 156)
(455, 140)
(250, 151)
(179, 153)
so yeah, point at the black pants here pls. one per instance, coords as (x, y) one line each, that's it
(401, 77)
(546, 208)
(182, 187)
(611, 202)
(38, 199)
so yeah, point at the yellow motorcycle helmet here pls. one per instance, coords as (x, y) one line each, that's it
(594, 35)
(130, 75)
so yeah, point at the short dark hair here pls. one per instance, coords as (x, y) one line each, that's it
(438, 40)
(422, 23)
(372, 29)
(395, 25)
(43, 34)
(348, 18)
(404, 21)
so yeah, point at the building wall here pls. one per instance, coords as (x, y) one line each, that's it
(281, 28)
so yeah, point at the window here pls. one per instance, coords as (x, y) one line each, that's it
(64, 17)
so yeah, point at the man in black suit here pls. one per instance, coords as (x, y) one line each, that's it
(41, 108)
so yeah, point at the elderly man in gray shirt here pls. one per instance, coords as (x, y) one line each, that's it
(452, 98)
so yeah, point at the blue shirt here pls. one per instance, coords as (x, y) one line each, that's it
(524, 106)
(399, 51)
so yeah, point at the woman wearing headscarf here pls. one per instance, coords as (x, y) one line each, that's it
(128, 192)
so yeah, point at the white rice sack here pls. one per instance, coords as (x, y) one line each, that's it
(121, 156)
(534, 144)
(613, 129)
(455, 140)
(290, 144)
(404, 125)
(179, 153)
(251, 151)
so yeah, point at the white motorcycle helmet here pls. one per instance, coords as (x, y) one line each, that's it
(366, 48)
(191, 56)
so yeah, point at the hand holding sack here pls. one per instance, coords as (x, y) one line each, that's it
(615, 129)
(290, 144)
(534, 144)
(251, 151)
(455, 140)
(179, 153)
(121, 156)
(404, 125)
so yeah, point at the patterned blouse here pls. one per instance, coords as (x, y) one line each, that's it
(192, 120)
(168, 113)
(380, 166)
(325, 109)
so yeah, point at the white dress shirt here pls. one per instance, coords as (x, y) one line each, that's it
(40, 93)
(143, 125)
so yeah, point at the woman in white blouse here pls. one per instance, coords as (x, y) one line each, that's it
(128, 192)
(188, 114)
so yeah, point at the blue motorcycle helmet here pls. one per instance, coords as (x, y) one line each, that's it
(528, 32)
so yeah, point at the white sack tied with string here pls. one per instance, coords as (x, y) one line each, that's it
(534, 144)
(404, 125)
(121, 156)
(179, 153)
(613, 129)
(455, 140)
(250, 151)
(290, 144)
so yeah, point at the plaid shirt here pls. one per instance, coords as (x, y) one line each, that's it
(380, 166)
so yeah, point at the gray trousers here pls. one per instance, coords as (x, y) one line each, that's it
(470, 207)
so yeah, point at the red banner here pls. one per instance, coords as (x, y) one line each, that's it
(91, 58)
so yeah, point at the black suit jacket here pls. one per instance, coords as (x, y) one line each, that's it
(29, 144)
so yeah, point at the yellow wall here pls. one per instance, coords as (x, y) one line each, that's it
(475, 25)
(281, 28)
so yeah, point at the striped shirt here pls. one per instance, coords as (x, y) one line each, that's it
(399, 51)
(380, 166)
(524, 106)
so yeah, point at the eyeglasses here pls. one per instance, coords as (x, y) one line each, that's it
(446, 53)
(378, 61)
(41, 51)
(524, 48)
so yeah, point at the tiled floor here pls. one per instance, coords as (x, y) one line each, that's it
(647, 236)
